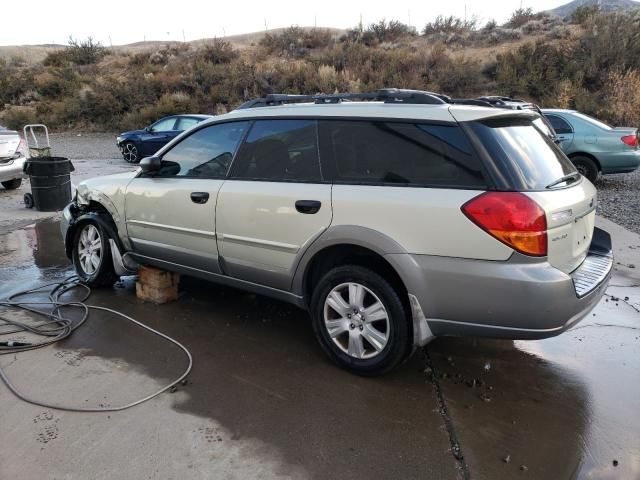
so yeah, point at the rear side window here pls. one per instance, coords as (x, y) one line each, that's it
(525, 158)
(185, 123)
(402, 154)
(279, 151)
(206, 153)
(559, 125)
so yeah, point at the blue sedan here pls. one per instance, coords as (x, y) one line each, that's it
(138, 144)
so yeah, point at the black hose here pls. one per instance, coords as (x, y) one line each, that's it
(55, 327)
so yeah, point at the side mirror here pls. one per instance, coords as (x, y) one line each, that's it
(148, 129)
(150, 164)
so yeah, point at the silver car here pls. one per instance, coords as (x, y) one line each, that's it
(12, 158)
(392, 220)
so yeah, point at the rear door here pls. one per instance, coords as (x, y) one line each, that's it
(170, 215)
(564, 131)
(274, 204)
(529, 162)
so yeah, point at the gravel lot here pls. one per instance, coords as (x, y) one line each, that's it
(619, 199)
(619, 195)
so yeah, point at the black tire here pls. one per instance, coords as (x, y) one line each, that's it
(586, 166)
(12, 184)
(103, 274)
(130, 152)
(399, 343)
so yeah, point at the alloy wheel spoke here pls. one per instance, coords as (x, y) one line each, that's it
(375, 312)
(375, 337)
(356, 295)
(336, 327)
(356, 348)
(337, 303)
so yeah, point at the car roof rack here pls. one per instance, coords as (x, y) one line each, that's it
(386, 95)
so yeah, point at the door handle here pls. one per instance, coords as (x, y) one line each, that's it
(308, 206)
(199, 197)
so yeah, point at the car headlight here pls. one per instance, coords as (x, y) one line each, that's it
(119, 139)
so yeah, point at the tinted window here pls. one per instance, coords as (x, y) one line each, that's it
(164, 125)
(525, 158)
(559, 125)
(279, 150)
(186, 123)
(398, 154)
(205, 153)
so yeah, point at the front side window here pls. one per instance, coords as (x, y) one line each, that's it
(559, 125)
(207, 153)
(279, 150)
(389, 153)
(164, 125)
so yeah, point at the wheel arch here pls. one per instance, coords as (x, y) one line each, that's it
(98, 213)
(345, 242)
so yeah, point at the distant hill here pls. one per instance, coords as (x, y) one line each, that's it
(605, 6)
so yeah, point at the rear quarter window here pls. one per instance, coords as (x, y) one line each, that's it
(524, 158)
(398, 154)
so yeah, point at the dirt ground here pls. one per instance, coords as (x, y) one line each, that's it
(262, 401)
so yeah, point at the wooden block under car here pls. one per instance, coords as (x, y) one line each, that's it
(157, 278)
(156, 295)
(156, 285)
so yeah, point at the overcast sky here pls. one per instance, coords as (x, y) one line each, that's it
(119, 22)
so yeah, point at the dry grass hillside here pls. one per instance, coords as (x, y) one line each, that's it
(589, 61)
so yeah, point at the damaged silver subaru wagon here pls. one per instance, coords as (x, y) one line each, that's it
(392, 217)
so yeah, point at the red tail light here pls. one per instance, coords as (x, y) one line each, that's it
(631, 140)
(511, 217)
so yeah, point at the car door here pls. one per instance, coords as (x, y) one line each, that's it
(158, 135)
(564, 131)
(170, 214)
(274, 203)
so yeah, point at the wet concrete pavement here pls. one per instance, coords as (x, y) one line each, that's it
(262, 401)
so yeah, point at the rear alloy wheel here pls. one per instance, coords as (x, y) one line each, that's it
(130, 152)
(360, 321)
(12, 184)
(92, 255)
(587, 167)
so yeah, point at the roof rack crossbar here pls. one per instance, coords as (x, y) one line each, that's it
(387, 95)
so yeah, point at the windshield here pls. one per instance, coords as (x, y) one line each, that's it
(592, 120)
(524, 157)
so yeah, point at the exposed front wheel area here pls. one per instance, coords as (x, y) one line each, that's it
(92, 255)
(360, 320)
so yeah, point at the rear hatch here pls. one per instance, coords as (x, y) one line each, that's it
(9, 143)
(522, 158)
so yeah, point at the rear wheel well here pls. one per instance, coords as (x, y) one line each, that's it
(348, 254)
(588, 155)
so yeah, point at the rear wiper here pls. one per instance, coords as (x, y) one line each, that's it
(572, 177)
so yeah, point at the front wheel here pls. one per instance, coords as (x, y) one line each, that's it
(360, 321)
(92, 255)
(130, 152)
(586, 167)
(12, 184)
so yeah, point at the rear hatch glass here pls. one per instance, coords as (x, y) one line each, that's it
(523, 156)
(524, 159)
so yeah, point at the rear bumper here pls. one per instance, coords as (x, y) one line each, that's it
(620, 162)
(522, 298)
(12, 169)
